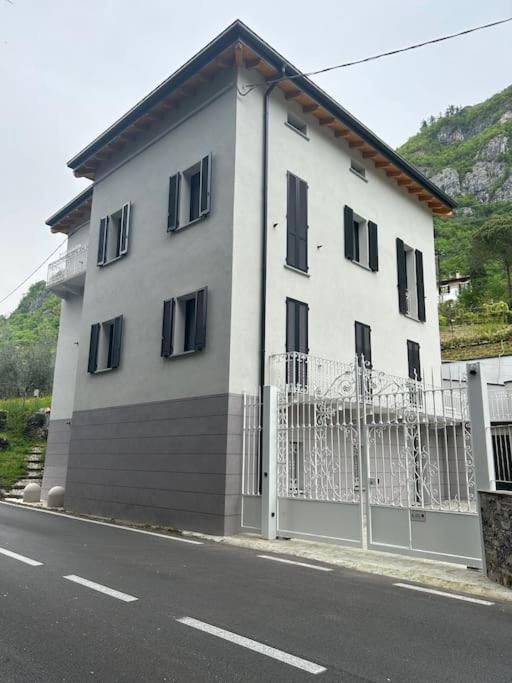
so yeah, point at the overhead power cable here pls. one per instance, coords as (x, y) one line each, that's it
(38, 268)
(251, 86)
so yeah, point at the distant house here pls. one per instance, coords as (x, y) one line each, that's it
(450, 289)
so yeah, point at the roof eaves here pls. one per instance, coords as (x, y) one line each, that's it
(70, 206)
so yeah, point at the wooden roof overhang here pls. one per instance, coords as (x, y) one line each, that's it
(74, 213)
(239, 46)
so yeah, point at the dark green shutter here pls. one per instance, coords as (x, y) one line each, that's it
(167, 329)
(102, 241)
(420, 286)
(290, 325)
(402, 276)
(116, 342)
(348, 219)
(363, 342)
(302, 328)
(297, 223)
(205, 191)
(413, 360)
(93, 348)
(373, 246)
(125, 229)
(174, 202)
(201, 311)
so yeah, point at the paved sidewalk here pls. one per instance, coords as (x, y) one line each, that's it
(445, 575)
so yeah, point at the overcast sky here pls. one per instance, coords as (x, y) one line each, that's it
(69, 68)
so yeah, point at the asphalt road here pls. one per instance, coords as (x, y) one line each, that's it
(243, 617)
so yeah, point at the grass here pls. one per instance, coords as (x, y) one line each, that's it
(464, 342)
(12, 460)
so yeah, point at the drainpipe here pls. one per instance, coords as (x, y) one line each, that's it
(264, 240)
(264, 236)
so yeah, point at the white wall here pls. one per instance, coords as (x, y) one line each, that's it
(337, 290)
(66, 359)
(161, 265)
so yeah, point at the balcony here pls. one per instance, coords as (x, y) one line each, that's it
(66, 275)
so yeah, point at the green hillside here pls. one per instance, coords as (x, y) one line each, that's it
(28, 339)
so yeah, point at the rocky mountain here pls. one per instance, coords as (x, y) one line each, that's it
(467, 151)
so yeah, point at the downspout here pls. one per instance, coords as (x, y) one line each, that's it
(264, 236)
(264, 241)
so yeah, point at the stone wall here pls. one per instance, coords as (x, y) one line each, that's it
(496, 509)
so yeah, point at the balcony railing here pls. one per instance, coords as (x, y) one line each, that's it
(500, 406)
(67, 274)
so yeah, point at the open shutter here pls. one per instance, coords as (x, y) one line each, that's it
(373, 246)
(402, 276)
(413, 359)
(420, 286)
(93, 348)
(290, 326)
(348, 218)
(302, 225)
(174, 202)
(102, 241)
(125, 229)
(291, 221)
(167, 328)
(205, 191)
(302, 328)
(116, 342)
(201, 310)
(367, 345)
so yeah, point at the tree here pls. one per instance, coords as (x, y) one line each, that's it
(493, 242)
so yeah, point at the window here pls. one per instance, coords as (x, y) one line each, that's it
(361, 240)
(411, 288)
(113, 236)
(105, 345)
(297, 124)
(413, 360)
(297, 223)
(358, 168)
(184, 324)
(502, 450)
(189, 195)
(297, 342)
(363, 338)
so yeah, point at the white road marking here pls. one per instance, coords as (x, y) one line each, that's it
(96, 521)
(443, 594)
(254, 645)
(100, 588)
(21, 558)
(299, 564)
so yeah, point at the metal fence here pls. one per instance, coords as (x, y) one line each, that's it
(251, 447)
(500, 406)
(72, 263)
(502, 449)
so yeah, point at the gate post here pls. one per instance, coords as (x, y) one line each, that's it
(269, 463)
(481, 441)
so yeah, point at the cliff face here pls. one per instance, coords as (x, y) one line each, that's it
(468, 151)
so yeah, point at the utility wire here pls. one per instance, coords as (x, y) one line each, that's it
(38, 267)
(250, 86)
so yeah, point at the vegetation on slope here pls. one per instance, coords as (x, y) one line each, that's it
(12, 459)
(28, 339)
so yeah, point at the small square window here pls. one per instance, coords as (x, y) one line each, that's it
(358, 168)
(184, 324)
(297, 124)
(361, 241)
(113, 236)
(189, 195)
(105, 345)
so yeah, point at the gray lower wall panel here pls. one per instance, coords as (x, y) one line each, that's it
(57, 454)
(173, 463)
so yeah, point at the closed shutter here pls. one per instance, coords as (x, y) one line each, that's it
(201, 310)
(297, 223)
(102, 241)
(373, 246)
(174, 202)
(117, 335)
(413, 359)
(420, 286)
(302, 328)
(402, 276)
(290, 326)
(205, 191)
(348, 219)
(167, 328)
(297, 332)
(93, 348)
(125, 229)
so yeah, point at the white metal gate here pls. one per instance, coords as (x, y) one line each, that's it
(366, 459)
